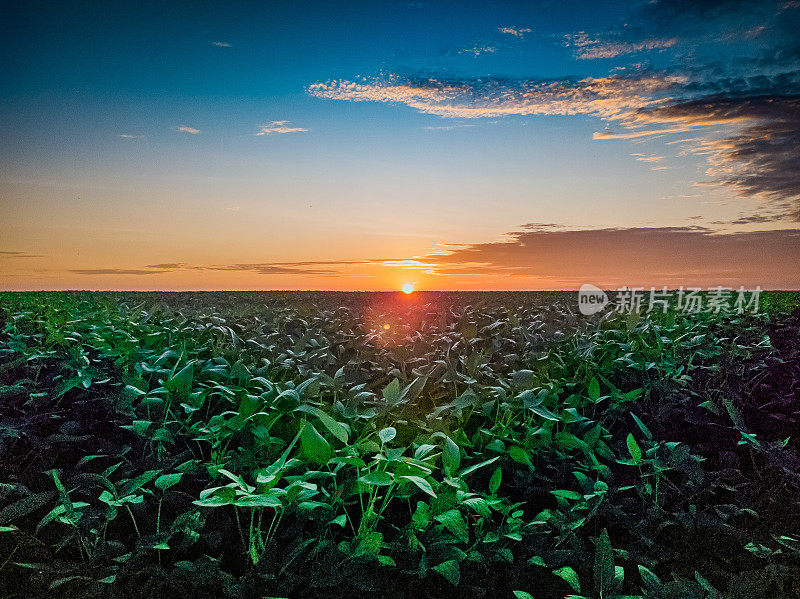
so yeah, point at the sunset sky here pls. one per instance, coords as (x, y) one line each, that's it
(347, 145)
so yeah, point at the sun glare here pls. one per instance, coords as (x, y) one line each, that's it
(408, 288)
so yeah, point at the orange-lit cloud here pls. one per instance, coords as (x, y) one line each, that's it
(546, 256)
(588, 47)
(10, 254)
(612, 97)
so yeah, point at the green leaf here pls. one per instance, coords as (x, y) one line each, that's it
(604, 572)
(651, 581)
(734, 414)
(166, 481)
(519, 455)
(544, 413)
(570, 576)
(474, 467)
(423, 484)
(494, 482)
(339, 520)
(25, 506)
(642, 426)
(522, 595)
(370, 543)
(451, 455)
(181, 383)
(594, 390)
(337, 429)
(315, 448)
(633, 449)
(710, 406)
(454, 522)
(391, 393)
(376, 478)
(386, 560)
(450, 570)
(421, 517)
(266, 500)
(413, 389)
(387, 434)
(523, 378)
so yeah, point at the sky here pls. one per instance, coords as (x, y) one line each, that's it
(365, 145)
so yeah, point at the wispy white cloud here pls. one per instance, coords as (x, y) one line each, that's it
(129, 136)
(186, 129)
(479, 49)
(447, 127)
(221, 44)
(278, 127)
(515, 31)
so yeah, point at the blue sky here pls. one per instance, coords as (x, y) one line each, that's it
(362, 145)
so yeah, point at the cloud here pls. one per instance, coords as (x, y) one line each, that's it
(167, 266)
(633, 256)
(447, 127)
(479, 49)
(129, 136)
(278, 127)
(588, 47)
(271, 269)
(542, 226)
(760, 158)
(648, 157)
(549, 255)
(9, 254)
(186, 129)
(757, 155)
(221, 44)
(751, 219)
(117, 271)
(515, 31)
(636, 134)
(737, 90)
(613, 96)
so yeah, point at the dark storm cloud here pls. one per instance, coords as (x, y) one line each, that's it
(741, 60)
(762, 158)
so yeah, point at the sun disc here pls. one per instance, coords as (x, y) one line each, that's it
(408, 288)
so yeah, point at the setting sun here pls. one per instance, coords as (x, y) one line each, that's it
(408, 288)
